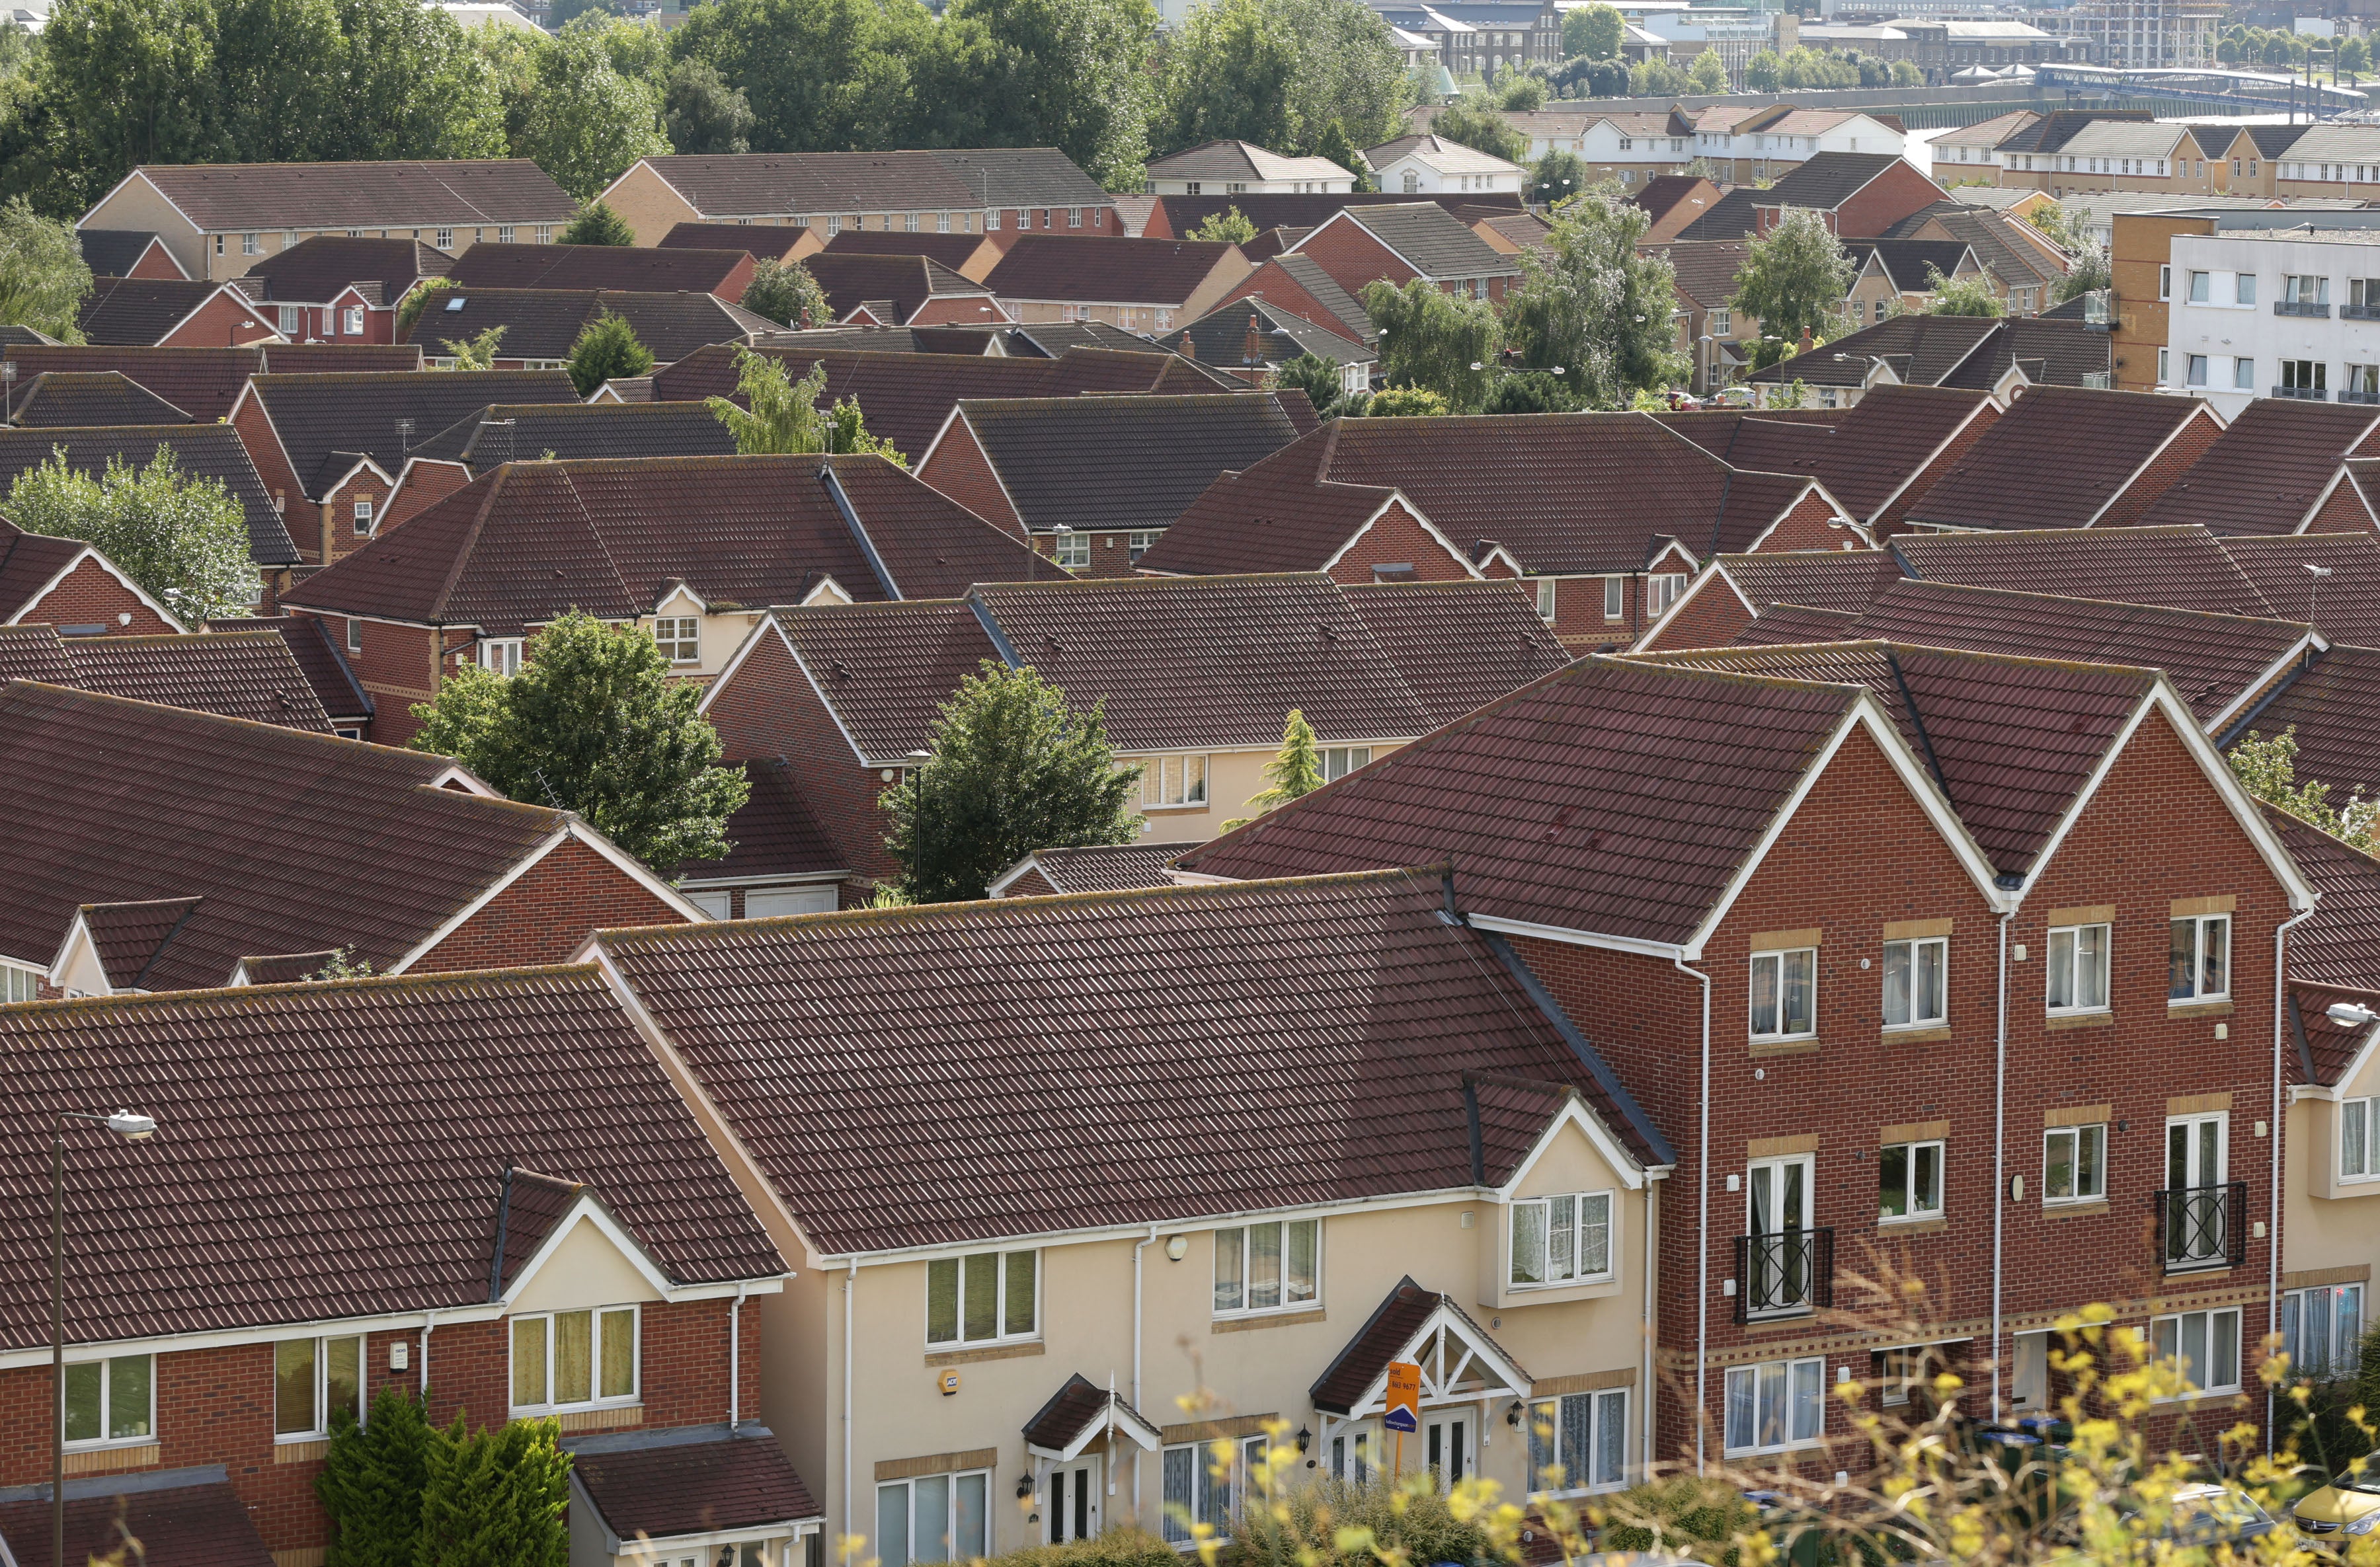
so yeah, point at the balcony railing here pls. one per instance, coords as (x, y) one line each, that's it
(2099, 310)
(2300, 308)
(2202, 1226)
(2359, 397)
(2302, 393)
(1784, 1272)
(2359, 312)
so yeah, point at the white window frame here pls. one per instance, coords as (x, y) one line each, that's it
(107, 1363)
(2359, 1131)
(1615, 598)
(355, 634)
(953, 1481)
(1243, 1238)
(965, 1263)
(2201, 286)
(504, 234)
(18, 982)
(1607, 1413)
(354, 323)
(1661, 590)
(597, 1398)
(2174, 1330)
(363, 510)
(1072, 550)
(2243, 374)
(1548, 598)
(2337, 1304)
(2199, 925)
(1166, 783)
(1722, 322)
(1912, 1161)
(1569, 1210)
(1914, 954)
(318, 1423)
(2165, 368)
(2164, 282)
(679, 637)
(249, 244)
(293, 318)
(2074, 970)
(1810, 1369)
(1141, 541)
(1780, 960)
(1337, 761)
(2093, 1135)
(1203, 1504)
(501, 656)
(545, 232)
(443, 239)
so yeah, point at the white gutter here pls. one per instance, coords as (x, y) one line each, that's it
(2272, 1230)
(1138, 1248)
(1999, 1159)
(1702, 1246)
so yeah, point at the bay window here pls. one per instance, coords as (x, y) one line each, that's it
(982, 1297)
(572, 1359)
(1561, 1240)
(1272, 1266)
(2358, 1138)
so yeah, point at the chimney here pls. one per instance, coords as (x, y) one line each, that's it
(1807, 343)
(1189, 346)
(1252, 351)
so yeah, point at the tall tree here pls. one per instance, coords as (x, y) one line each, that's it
(1792, 281)
(593, 723)
(782, 415)
(42, 275)
(1435, 341)
(1708, 73)
(820, 75)
(786, 294)
(496, 1496)
(1280, 73)
(607, 349)
(701, 113)
(1596, 306)
(585, 122)
(371, 1481)
(1558, 176)
(1316, 377)
(1335, 144)
(1075, 76)
(1012, 769)
(182, 537)
(1294, 772)
(1594, 31)
(1476, 122)
(1969, 294)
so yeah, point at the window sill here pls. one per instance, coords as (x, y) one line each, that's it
(1807, 1045)
(300, 1450)
(1250, 1321)
(1929, 1033)
(101, 1458)
(2091, 1209)
(2080, 1020)
(2221, 1009)
(1172, 810)
(988, 1352)
(1926, 1226)
(1798, 1321)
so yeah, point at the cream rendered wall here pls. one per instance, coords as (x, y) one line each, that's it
(1232, 778)
(585, 1270)
(2329, 1224)
(723, 631)
(136, 204)
(649, 205)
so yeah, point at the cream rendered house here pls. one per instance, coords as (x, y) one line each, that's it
(1026, 1306)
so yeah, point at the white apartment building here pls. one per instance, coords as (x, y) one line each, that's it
(2265, 313)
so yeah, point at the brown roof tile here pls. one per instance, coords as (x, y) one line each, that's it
(319, 659)
(1181, 214)
(202, 383)
(34, 652)
(2339, 947)
(2268, 469)
(28, 563)
(1359, 1093)
(2345, 604)
(139, 312)
(322, 358)
(641, 268)
(317, 270)
(131, 937)
(1837, 581)
(241, 675)
(2332, 703)
(951, 250)
(2103, 440)
(692, 1480)
(2179, 568)
(1118, 867)
(199, 1523)
(92, 397)
(1162, 272)
(772, 833)
(544, 323)
(1384, 1335)
(765, 241)
(1457, 644)
(1431, 240)
(850, 278)
(503, 432)
(1866, 456)
(448, 193)
(1794, 623)
(318, 415)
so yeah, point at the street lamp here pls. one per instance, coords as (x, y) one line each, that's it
(131, 1128)
(2348, 1015)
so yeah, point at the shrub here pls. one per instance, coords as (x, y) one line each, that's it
(1685, 1515)
(1335, 1522)
(1117, 1547)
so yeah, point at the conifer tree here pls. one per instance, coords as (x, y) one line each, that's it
(371, 1482)
(607, 348)
(1294, 770)
(496, 1498)
(598, 225)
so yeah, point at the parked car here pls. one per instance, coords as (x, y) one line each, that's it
(2339, 1511)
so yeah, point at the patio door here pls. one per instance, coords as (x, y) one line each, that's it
(2196, 1218)
(1777, 1260)
(1071, 1508)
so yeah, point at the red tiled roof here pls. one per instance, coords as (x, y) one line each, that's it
(952, 250)
(1384, 1335)
(139, 312)
(766, 242)
(2268, 468)
(528, 541)
(2339, 947)
(2179, 568)
(763, 183)
(130, 937)
(544, 323)
(659, 1483)
(324, 358)
(324, 665)
(2334, 705)
(34, 652)
(202, 383)
(1866, 456)
(927, 1114)
(241, 675)
(92, 397)
(317, 269)
(642, 268)
(2101, 439)
(1162, 272)
(445, 193)
(320, 417)
(1794, 623)
(538, 1067)
(1118, 867)
(200, 1523)
(772, 833)
(2346, 604)
(1616, 797)
(851, 279)
(297, 841)
(1459, 644)
(1837, 581)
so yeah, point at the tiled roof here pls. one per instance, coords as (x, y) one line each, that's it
(1100, 868)
(2124, 138)
(28, 563)
(1992, 132)
(503, 432)
(1792, 624)
(1105, 271)
(544, 323)
(1866, 455)
(1263, 1090)
(1908, 264)
(1307, 273)
(1431, 240)
(688, 1481)
(1183, 213)
(242, 675)
(1827, 181)
(2102, 439)
(2180, 568)
(528, 541)
(2051, 352)
(1120, 462)
(952, 250)
(850, 280)
(1971, 352)
(886, 669)
(1022, 176)
(1220, 337)
(448, 193)
(2267, 471)
(130, 937)
(772, 833)
(202, 383)
(2214, 659)
(1662, 192)
(200, 1523)
(317, 270)
(887, 340)
(2012, 741)
(1384, 1336)
(2346, 604)
(92, 397)
(319, 358)
(763, 184)
(315, 415)
(1837, 580)
(1614, 797)
(114, 252)
(2339, 947)
(1730, 217)
(261, 820)
(208, 451)
(138, 312)
(1705, 269)
(324, 665)
(1077, 1404)
(2005, 254)
(1447, 157)
(645, 268)
(1241, 160)
(34, 652)
(1459, 644)
(765, 241)
(538, 1067)
(2332, 703)
(907, 396)
(15, 334)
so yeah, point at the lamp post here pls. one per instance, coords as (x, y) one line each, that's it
(132, 1128)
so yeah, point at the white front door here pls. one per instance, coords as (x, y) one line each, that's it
(1071, 1510)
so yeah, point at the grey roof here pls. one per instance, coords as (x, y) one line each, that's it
(503, 432)
(1827, 181)
(209, 450)
(1221, 338)
(1435, 242)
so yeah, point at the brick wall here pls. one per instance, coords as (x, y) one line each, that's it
(960, 470)
(1888, 521)
(545, 914)
(1805, 526)
(1353, 257)
(1711, 616)
(2343, 512)
(339, 535)
(2184, 450)
(1884, 201)
(1396, 536)
(156, 262)
(397, 665)
(280, 481)
(90, 595)
(1282, 292)
(221, 322)
(766, 708)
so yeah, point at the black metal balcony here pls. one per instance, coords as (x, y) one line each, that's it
(2359, 312)
(1783, 1274)
(2202, 1226)
(2300, 308)
(2302, 393)
(2359, 397)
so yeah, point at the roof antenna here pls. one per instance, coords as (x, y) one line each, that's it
(404, 435)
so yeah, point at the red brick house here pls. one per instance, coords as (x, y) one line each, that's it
(345, 703)
(127, 253)
(569, 1248)
(1297, 284)
(864, 289)
(1762, 996)
(695, 550)
(332, 288)
(1608, 515)
(65, 582)
(2281, 467)
(206, 450)
(170, 313)
(158, 887)
(1093, 481)
(330, 447)
(1396, 244)
(2118, 453)
(486, 438)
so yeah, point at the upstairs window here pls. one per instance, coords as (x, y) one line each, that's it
(1548, 591)
(2299, 288)
(1274, 1266)
(445, 239)
(249, 246)
(545, 232)
(1615, 597)
(502, 658)
(1663, 590)
(2078, 969)
(2243, 288)
(983, 1297)
(1173, 780)
(1561, 1240)
(2200, 968)
(354, 636)
(1909, 1179)
(1072, 551)
(363, 514)
(2074, 1164)
(312, 1380)
(2200, 286)
(1915, 982)
(679, 638)
(569, 1359)
(111, 1400)
(293, 320)
(504, 234)
(2363, 293)
(1338, 761)
(2358, 1138)
(1784, 992)
(19, 984)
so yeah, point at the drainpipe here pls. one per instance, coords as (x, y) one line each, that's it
(428, 1319)
(1138, 1248)
(1652, 1211)
(1999, 1159)
(849, 1279)
(736, 1357)
(1701, 1238)
(2273, 1231)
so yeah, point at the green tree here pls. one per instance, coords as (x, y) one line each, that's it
(1764, 72)
(1593, 31)
(2269, 769)
(1294, 771)
(1436, 341)
(584, 122)
(1316, 377)
(597, 225)
(786, 294)
(820, 75)
(1708, 73)
(1230, 226)
(1657, 79)
(2354, 58)
(1013, 769)
(417, 299)
(1558, 176)
(474, 353)
(1969, 294)
(1793, 279)
(1518, 93)
(182, 537)
(1531, 392)
(1336, 145)
(42, 275)
(1906, 73)
(1474, 121)
(1278, 73)
(607, 348)
(783, 414)
(495, 1497)
(702, 114)
(371, 1482)
(1073, 75)
(593, 723)
(1596, 306)
(1404, 402)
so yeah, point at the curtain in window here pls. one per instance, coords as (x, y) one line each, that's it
(574, 1356)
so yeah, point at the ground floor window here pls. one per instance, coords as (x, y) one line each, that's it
(2322, 1329)
(1776, 1404)
(933, 1518)
(1198, 1491)
(2203, 1346)
(1578, 1441)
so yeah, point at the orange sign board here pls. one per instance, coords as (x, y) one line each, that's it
(1403, 1401)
